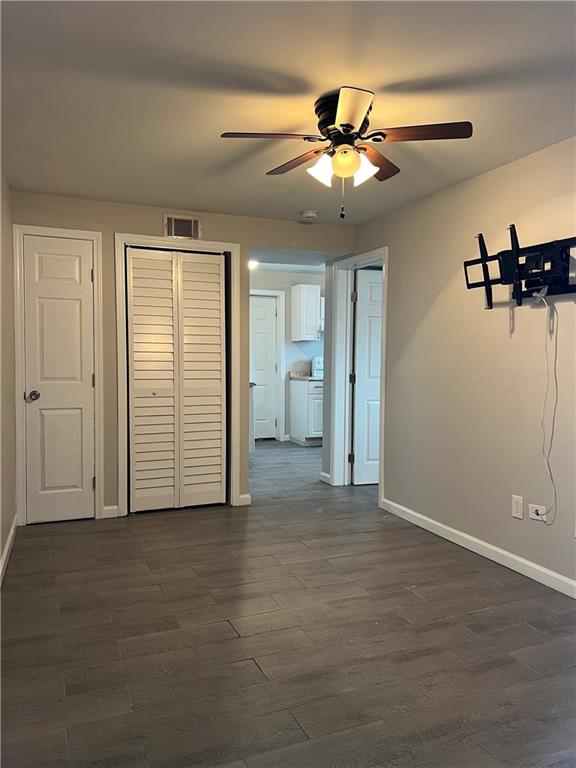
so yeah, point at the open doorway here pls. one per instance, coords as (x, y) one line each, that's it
(355, 354)
(286, 371)
(316, 381)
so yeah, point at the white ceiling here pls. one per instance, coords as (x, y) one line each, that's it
(125, 101)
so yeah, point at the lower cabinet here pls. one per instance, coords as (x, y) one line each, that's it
(315, 403)
(306, 404)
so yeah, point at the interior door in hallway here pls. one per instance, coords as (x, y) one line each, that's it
(59, 359)
(263, 356)
(367, 357)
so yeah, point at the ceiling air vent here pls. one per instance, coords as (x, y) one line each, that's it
(181, 226)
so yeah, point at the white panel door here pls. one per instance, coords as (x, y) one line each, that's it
(59, 328)
(202, 384)
(367, 357)
(263, 356)
(152, 366)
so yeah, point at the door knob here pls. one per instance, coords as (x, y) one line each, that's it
(33, 395)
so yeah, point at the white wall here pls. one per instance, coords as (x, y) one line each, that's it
(298, 353)
(463, 393)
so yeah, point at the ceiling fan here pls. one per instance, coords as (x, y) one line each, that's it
(343, 122)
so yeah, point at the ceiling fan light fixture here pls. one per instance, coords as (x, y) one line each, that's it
(346, 161)
(365, 172)
(322, 170)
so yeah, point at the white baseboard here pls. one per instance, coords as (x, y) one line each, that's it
(7, 549)
(326, 478)
(504, 557)
(244, 500)
(309, 442)
(109, 512)
(285, 439)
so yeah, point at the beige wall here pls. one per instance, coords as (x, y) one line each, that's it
(463, 394)
(297, 353)
(108, 218)
(7, 399)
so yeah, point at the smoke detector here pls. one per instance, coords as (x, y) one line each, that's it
(308, 216)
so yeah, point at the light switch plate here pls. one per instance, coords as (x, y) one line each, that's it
(517, 506)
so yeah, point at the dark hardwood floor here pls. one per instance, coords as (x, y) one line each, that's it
(311, 630)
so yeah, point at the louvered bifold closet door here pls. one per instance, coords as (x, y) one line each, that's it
(202, 379)
(153, 378)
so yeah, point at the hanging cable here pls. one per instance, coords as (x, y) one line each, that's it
(552, 313)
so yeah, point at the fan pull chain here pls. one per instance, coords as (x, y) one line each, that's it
(342, 209)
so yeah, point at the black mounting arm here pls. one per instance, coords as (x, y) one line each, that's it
(528, 269)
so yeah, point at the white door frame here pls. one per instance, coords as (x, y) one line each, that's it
(280, 404)
(339, 286)
(20, 230)
(123, 241)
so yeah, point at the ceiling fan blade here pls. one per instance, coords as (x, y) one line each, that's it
(295, 162)
(241, 135)
(387, 167)
(353, 106)
(429, 132)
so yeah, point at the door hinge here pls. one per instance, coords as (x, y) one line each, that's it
(275, 422)
(352, 378)
(354, 297)
(93, 379)
(92, 274)
(350, 458)
(94, 483)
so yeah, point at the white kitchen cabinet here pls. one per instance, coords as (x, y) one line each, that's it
(315, 403)
(306, 403)
(305, 305)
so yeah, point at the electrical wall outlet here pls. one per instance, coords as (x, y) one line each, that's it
(517, 506)
(537, 512)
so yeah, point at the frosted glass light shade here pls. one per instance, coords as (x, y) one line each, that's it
(365, 172)
(322, 170)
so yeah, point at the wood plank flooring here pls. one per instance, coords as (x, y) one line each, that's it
(311, 630)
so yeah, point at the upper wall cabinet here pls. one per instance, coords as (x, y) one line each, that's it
(305, 312)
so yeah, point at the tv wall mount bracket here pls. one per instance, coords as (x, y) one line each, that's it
(529, 270)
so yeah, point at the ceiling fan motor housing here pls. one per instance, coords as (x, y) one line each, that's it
(325, 107)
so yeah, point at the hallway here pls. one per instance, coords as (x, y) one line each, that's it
(285, 470)
(311, 630)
